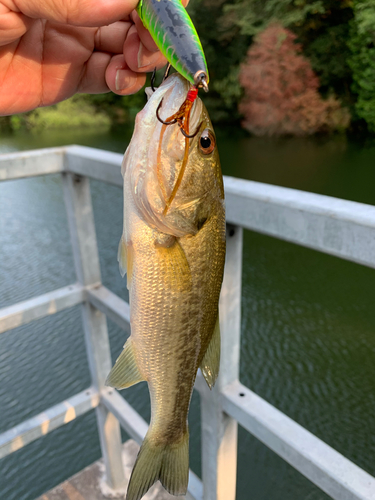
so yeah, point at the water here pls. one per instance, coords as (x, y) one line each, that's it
(308, 321)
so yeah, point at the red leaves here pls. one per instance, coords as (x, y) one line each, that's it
(281, 89)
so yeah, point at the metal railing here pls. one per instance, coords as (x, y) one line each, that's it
(337, 227)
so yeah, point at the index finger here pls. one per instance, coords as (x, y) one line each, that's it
(76, 12)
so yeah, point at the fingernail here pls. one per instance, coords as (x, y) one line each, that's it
(143, 58)
(123, 80)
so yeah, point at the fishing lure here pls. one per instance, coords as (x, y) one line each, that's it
(176, 37)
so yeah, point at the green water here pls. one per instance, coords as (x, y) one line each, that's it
(308, 319)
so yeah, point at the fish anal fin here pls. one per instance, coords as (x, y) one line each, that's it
(211, 360)
(168, 463)
(125, 373)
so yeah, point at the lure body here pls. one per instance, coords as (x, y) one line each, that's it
(176, 37)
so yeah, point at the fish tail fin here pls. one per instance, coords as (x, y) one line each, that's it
(174, 473)
(168, 463)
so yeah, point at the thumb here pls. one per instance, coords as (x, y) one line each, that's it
(77, 12)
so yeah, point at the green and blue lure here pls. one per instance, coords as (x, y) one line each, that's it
(176, 37)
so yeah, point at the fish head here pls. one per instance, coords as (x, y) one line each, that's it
(158, 153)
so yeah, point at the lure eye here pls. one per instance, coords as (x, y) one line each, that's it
(207, 142)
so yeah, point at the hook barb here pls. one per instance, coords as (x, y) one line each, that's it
(190, 136)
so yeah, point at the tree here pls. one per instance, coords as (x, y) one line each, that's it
(362, 60)
(225, 47)
(321, 26)
(281, 89)
(253, 16)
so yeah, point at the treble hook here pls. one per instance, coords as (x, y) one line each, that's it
(153, 78)
(160, 119)
(190, 136)
(176, 120)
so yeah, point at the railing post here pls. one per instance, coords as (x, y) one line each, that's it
(219, 431)
(86, 259)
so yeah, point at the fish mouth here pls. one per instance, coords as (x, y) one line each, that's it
(170, 96)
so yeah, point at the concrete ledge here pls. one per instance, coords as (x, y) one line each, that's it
(89, 484)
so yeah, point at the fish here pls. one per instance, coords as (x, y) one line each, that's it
(176, 37)
(174, 262)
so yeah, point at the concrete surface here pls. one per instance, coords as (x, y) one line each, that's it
(89, 484)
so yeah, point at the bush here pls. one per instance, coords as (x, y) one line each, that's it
(73, 113)
(281, 89)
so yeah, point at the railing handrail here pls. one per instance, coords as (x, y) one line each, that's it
(338, 227)
(313, 220)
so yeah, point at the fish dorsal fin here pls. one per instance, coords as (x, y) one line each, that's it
(125, 256)
(125, 373)
(211, 361)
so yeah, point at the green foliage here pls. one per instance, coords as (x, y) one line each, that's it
(225, 47)
(324, 40)
(328, 54)
(362, 60)
(73, 113)
(76, 112)
(120, 109)
(336, 36)
(6, 124)
(253, 16)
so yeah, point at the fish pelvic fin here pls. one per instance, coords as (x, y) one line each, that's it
(125, 373)
(122, 256)
(168, 463)
(211, 361)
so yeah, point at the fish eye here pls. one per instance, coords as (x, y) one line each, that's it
(207, 142)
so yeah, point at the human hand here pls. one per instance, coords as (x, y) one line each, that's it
(52, 49)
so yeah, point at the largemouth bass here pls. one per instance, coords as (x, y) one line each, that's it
(174, 262)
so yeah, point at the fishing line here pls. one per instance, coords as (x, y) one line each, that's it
(182, 117)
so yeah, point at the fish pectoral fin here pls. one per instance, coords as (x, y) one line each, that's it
(125, 373)
(125, 259)
(174, 265)
(211, 361)
(168, 463)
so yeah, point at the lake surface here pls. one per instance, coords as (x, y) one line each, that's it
(308, 319)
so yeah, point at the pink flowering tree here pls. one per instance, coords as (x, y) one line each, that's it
(281, 89)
